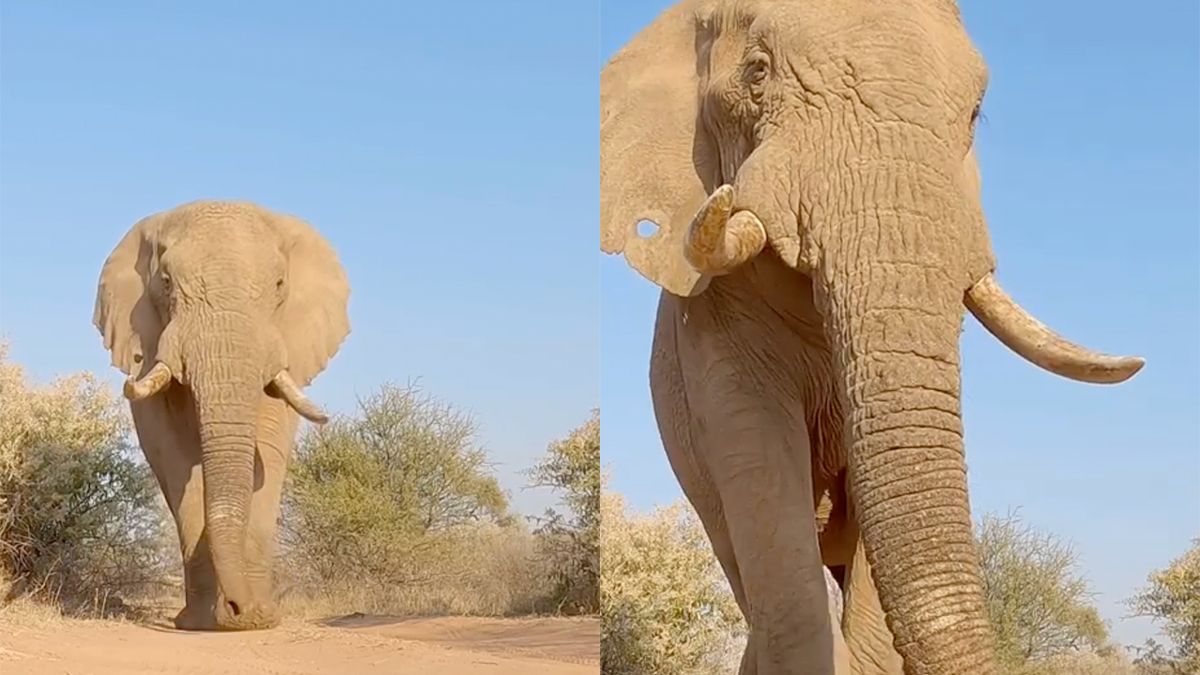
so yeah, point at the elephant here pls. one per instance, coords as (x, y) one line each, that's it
(219, 313)
(809, 168)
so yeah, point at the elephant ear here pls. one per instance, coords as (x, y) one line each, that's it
(124, 313)
(313, 319)
(653, 164)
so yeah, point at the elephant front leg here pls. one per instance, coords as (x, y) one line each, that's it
(199, 577)
(864, 632)
(167, 435)
(261, 532)
(276, 429)
(760, 463)
(872, 651)
(678, 430)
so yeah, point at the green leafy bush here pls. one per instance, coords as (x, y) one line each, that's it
(397, 509)
(1172, 597)
(1039, 604)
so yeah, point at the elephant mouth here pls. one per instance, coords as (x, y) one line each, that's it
(160, 377)
(720, 239)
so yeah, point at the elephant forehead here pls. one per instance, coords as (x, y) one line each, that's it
(215, 211)
(226, 224)
(832, 27)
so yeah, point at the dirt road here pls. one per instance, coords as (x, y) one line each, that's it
(357, 644)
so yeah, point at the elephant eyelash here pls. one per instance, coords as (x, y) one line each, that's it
(977, 115)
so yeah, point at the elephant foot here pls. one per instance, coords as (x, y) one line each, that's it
(190, 618)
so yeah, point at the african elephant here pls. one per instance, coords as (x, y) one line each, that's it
(219, 313)
(809, 166)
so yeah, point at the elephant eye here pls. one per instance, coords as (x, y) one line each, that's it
(757, 71)
(166, 282)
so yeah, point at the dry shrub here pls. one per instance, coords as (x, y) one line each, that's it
(1172, 598)
(490, 570)
(396, 510)
(570, 544)
(81, 523)
(1039, 604)
(26, 612)
(665, 605)
(1086, 663)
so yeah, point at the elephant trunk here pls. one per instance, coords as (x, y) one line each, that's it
(891, 287)
(906, 472)
(225, 376)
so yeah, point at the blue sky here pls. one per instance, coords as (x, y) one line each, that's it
(1089, 157)
(447, 150)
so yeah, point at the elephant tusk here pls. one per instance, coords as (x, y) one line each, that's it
(290, 392)
(1035, 342)
(151, 383)
(716, 243)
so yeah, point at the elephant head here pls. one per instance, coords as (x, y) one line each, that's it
(837, 136)
(233, 302)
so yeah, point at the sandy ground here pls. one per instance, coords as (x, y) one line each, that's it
(366, 645)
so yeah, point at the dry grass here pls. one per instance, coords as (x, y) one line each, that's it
(1082, 664)
(490, 571)
(27, 612)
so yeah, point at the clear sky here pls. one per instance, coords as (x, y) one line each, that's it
(448, 151)
(1091, 179)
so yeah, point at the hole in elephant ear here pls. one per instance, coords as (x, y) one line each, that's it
(647, 228)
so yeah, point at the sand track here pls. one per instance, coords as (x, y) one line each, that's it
(360, 644)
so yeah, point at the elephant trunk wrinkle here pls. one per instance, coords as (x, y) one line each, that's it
(907, 478)
(227, 387)
(892, 300)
